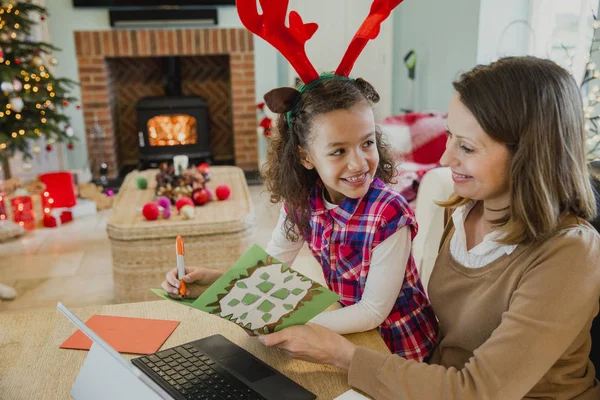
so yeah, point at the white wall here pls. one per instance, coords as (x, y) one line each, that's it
(503, 29)
(64, 20)
(338, 21)
(444, 36)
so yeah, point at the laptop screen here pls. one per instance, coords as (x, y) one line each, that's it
(113, 353)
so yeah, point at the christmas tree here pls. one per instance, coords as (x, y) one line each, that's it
(31, 98)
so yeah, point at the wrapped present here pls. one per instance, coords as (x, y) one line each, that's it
(57, 217)
(22, 208)
(2, 206)
(61, 188)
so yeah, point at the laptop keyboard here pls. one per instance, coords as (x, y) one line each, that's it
(194, 375)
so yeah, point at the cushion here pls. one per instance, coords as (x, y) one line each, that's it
(416, 137)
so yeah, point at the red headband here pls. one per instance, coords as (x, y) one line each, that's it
(270, 25)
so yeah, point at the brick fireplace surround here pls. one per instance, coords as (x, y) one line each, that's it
(94, 47)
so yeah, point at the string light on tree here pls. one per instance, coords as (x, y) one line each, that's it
(31, 98)
(590, 91)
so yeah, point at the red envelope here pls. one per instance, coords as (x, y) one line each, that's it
(124, 334)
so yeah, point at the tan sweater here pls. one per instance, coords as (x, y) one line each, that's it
(516, 328)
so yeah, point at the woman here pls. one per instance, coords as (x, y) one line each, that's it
(516, 284)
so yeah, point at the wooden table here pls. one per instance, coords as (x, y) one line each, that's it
(32, 366)
(143, 251)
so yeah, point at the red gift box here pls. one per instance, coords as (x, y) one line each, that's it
(57, 217)
(23, 214)
(61, 189)
(2, 207)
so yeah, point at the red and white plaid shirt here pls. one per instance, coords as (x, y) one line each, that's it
(343, 239)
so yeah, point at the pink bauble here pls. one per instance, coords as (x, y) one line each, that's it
(183, 201)
(164, 202)
(150, 211)
(223, 192)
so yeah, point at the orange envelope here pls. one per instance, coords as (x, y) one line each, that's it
(124, 334)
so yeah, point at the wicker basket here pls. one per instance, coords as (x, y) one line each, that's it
(143, 251)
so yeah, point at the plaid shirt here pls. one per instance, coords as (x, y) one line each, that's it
(343, 239)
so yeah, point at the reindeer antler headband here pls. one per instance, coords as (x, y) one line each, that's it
(290, 41)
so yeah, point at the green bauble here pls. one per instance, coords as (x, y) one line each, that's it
(141, 183)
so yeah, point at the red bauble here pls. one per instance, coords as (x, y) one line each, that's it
(222, 192)
(150, 211)
(70, 146)
(17, 61)
(49, 147)
(204, 168)
(201, 196)
(183, 201)
(65, 103)
(43, 18)
(78, 106)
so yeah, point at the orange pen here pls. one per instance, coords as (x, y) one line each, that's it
(180, 263)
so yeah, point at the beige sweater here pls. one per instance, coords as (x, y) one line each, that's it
(516, 328)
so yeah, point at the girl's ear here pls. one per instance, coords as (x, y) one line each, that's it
(305, 158)
(281, 100)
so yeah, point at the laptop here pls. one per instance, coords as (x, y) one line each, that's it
(209, 368)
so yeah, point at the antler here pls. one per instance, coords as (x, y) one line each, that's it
(271, 27)
(380, 10)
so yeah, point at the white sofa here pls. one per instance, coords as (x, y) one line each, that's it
(435, 185)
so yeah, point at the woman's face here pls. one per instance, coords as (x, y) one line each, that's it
(480, 165)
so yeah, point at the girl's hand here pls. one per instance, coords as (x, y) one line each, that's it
(196, 281)
(313, 343)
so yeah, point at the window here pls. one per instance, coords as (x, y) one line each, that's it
(563, 32)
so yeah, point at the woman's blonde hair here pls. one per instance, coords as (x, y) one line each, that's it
(534, 107)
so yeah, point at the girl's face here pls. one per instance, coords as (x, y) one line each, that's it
(343, 151)
(479, 164)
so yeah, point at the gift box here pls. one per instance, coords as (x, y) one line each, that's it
(22, 208)
(57, 217)
(61, 188)
(2, 207)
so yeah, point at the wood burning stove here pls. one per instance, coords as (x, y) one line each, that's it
(173, 124)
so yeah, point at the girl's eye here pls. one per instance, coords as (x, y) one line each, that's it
(369, 143)
(337, 152)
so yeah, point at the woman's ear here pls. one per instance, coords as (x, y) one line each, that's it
(305, 158)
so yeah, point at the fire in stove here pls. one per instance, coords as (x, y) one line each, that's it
(172, 130)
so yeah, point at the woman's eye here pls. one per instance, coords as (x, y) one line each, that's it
(369, 143)
(337, 153)
(466, 149)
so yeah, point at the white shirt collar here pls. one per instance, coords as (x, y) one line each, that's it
(488, 244)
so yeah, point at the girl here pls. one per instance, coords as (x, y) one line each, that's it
(328, 164)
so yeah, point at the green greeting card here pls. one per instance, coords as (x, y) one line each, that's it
(262, 295)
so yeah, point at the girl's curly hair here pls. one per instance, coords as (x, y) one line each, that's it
(285, 177)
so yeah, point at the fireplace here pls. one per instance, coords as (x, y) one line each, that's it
(173, 124)
(170, 126)
(118, 68)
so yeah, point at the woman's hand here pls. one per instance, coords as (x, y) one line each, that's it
(196, 281)
(313, 343)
